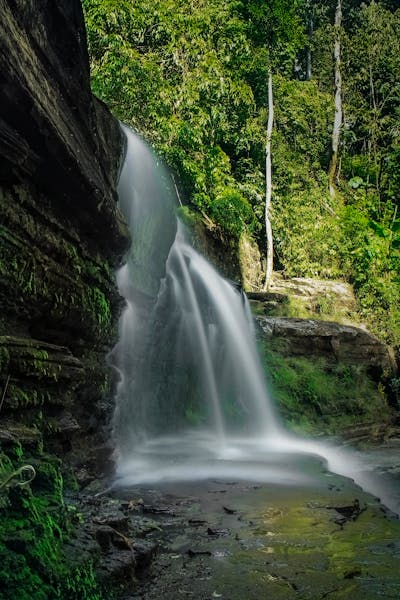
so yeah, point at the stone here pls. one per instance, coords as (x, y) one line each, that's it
(61, 237)
(52, 130)
(64, 424)
(116, 520)
(312, 290)
(28, 437)
(117, 566)
(333, 341)
(7, 438)
(307, 297)
(61, 233)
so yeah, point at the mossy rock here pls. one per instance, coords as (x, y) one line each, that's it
(34, 526)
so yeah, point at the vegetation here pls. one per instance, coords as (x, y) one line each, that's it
(196, 79)
(193, 79)
(35, 524)
(319, 396)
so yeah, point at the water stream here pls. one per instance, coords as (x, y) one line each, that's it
(192, 402)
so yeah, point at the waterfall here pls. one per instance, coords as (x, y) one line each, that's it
(192, 401)
(186, 353)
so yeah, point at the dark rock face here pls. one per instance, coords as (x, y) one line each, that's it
(333, 341)
(60, 230)
(61, 237)
(52, 132)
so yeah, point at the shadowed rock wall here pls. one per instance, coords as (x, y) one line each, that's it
(60, 231)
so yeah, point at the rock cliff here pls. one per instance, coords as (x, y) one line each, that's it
(60, 231)
(61, 237)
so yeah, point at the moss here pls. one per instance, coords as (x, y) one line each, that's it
(70, 284)
(34, 526)
(299, 543)
(4, 359)
(316, 394)
(18, 397)
(97, 306)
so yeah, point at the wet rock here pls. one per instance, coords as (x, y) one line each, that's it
(61, 231)
(353, 573)
(192, 552)
(61, 237)
(197, 522)
(229, 511)
(121, 556)
(370, 432)
(347, 513)
(64, 424)
(217, 532)
(117, 566)
(268, 303)
(83, 477)
(116, 520)
(135, 505)
(144, 553)
(28, 437)
(64, 140)
(159, 510)
(7, 438)
(104, 536)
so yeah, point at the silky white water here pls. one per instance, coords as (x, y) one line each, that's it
(192, 402)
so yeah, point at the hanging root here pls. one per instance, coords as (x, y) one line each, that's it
(26, 475)
(4, 391)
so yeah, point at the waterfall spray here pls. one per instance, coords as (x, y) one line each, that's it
(192, 401)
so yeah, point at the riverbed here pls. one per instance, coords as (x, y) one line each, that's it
(243, 540)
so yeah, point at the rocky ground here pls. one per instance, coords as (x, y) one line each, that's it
(236, 540)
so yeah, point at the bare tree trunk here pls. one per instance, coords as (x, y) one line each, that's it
(338, 101)
(268, 185)
(310, 32)
(308, 64)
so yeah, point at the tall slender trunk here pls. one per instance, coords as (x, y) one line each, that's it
(337, 124)
(310, 32)
(268, 185)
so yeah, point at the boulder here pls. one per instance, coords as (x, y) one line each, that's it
(313, 291)
(332, 341)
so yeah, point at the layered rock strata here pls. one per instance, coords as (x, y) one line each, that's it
(60, 231)
(331, 341)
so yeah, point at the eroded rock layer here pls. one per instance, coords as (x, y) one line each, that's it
(60, 230)
(331, 341)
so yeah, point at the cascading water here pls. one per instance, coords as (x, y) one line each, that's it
(192, 401)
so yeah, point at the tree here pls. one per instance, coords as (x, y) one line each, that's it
(268, 185)
(224, 92)
(277, 33)
(372, 91)
(337, 124)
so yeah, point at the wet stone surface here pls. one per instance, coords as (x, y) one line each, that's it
(237, 541)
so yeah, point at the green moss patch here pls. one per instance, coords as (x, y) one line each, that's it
(315, 394)
(34, 526)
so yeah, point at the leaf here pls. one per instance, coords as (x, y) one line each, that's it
(396, 225)
(379, 230)
(356, 182)
(396, 244)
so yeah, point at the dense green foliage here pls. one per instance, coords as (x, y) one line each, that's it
(192, 77)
